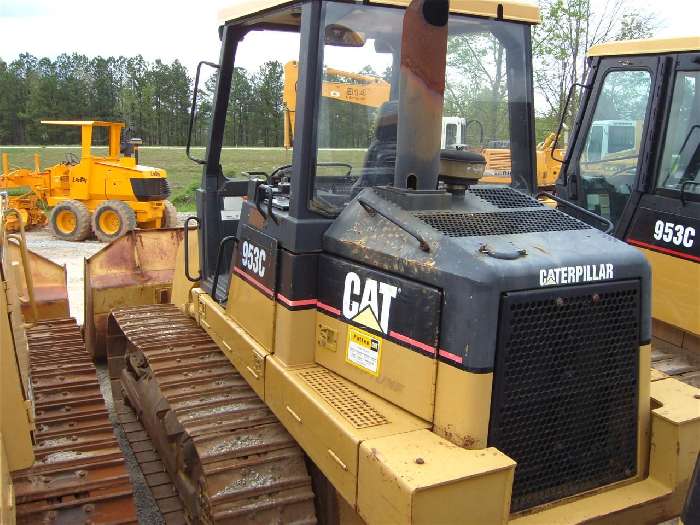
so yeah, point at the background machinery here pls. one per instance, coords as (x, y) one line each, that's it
(372, 91)
(633, 158)
(102, 195)
(396, 342)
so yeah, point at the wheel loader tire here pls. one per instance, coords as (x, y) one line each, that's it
(70, 221)
(169, 215)
(112, 219)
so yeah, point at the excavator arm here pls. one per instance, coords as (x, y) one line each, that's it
(354, 88)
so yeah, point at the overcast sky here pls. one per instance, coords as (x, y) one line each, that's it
(186, 30)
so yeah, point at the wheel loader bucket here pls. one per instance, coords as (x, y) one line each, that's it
(48, 280)
(136, 269)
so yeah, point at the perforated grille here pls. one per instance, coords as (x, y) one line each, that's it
(353, 408)
(500, 223)
(565, 389)
(505, 197)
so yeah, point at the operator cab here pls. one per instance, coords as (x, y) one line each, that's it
(341, 148)
(637, 134)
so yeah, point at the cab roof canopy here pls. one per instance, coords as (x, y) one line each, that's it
(649, 46)
(512, 10)
(100, 123)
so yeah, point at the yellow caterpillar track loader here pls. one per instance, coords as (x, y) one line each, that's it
(102, 195)
(384, 339)
(633, 158)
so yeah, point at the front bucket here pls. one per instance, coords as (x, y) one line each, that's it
(136, 269)
(48, 281)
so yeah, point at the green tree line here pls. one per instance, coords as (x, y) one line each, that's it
(152, 98)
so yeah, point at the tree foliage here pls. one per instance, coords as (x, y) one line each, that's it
(568, 29)
(153, 98)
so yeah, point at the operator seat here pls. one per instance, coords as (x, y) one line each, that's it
(380, 159)
(382, 151)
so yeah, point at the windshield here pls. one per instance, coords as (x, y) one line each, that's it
(679, 166)
(487, 102)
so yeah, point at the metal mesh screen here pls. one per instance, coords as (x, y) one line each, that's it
(564, 402)
(505, 197)
(500, 223)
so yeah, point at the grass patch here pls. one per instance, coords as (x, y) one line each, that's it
(185, 175)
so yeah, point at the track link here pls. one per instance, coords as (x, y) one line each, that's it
(229, 457)
(78, 475)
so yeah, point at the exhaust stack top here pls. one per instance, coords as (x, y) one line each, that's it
(421, 94)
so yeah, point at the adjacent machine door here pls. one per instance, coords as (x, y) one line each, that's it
(635, 160)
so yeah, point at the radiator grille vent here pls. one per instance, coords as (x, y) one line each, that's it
(505, 197)
(500, 223)
(565, 389)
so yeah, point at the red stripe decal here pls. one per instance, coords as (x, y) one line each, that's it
(412, 342)
(252, 281)
(655, 248)
(301, 302)
(327, 308)
(450, 356)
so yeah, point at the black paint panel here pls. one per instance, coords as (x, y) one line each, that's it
(266, 266)
(414, 313)
(643, 229)
(298, 277)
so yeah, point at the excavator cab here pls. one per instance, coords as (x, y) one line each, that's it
(373, 336)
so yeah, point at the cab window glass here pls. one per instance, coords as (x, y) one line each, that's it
(608, 163)
(450, 135)
(681, 155)
(358, 107)
(256, 138)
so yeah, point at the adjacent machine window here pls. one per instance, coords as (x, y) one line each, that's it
(608, 163)
(681, 154)
(358, 109)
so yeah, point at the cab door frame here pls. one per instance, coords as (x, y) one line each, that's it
(657, 203)
(569, 185)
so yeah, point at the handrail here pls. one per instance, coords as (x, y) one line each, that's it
(609, 224)
(21, 241)
(187, 249)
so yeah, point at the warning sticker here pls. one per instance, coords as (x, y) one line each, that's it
(364, 350)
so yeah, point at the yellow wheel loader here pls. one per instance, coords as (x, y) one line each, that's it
(105, 196)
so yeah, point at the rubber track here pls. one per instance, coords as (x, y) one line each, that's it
(229, 457)
(78, 475)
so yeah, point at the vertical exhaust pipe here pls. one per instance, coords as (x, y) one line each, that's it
(421, 94)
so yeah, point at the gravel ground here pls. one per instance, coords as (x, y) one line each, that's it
(146, 509)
